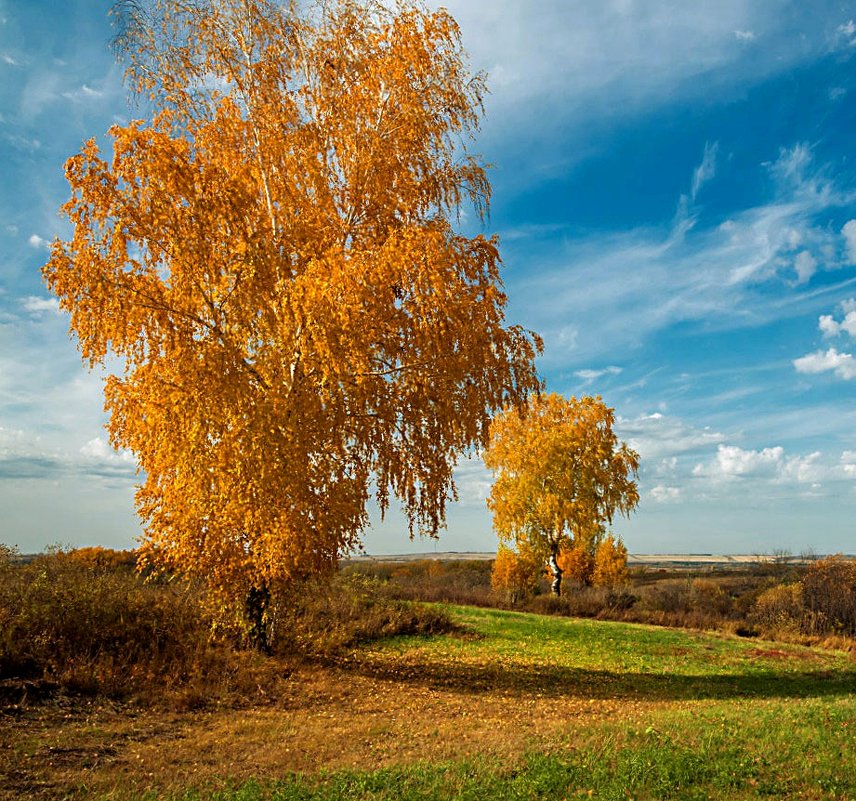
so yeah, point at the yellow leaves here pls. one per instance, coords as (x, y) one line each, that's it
(559, 470)
(270, 255)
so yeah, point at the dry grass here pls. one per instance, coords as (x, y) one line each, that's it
(520, 684)
(319, 717)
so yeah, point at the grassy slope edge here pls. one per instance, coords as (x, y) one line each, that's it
(528, 707)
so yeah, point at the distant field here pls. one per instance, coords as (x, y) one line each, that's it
(633, 559)
(520, 706)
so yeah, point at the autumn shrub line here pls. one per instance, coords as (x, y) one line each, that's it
(86, 622)
(769, 600)
(91, 627)
(322, 617)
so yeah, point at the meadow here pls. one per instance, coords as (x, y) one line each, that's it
(497, 704)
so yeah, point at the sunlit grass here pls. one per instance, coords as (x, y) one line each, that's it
(519, 707)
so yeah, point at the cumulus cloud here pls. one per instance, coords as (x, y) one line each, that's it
(38, 242)
(473, 481)
(37, 305)
(842, 364)
(744, 36)
(849, 234)
(733, 463)
(592, 375)
(831, 327)
(664, 494)
(99, 450)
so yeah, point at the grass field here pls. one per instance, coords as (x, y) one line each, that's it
(521, 706)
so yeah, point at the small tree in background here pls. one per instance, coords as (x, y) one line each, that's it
(514, 575)
(610, 563)
(560, 474)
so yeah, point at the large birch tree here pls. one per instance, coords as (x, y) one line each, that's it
(272, 255)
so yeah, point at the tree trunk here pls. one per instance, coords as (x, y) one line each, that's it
(553, 563)
(255, 609)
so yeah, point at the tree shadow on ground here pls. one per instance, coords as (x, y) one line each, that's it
(556, 680)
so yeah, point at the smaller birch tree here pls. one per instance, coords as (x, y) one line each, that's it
(560, 473)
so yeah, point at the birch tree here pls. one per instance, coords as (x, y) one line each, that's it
(271, 256)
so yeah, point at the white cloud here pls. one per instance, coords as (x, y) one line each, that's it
(37, 305)
(843, 364)
(663, 494)
(830, 327)
(732, 461)
(803, 469)
(83, 93)
(592, 375)
(473, 481)
(99, 450)
(7, 59)
(849, 233)
(706, 170)
(656, 436)
(772, 465)
(805, 266)
(744, 36)
(847, 31)
(36, 241)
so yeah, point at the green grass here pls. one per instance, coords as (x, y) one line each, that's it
(688, 716)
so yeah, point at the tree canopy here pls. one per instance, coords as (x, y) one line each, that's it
(560, 474)
(271, 256)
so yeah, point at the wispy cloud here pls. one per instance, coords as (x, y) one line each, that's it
(730, 275)
(592, 375)
(706, 170)
(745, 36)
(660, 437)
(83, 94)
(36, 241)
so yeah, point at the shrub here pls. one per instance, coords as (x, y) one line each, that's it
(610, 563)
(708, 598)
(514, 575)
(319, 617)
(829, 596)
(98, 630)
(779, 609)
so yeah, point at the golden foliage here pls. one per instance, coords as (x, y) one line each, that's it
(610, 563)
(577, 564)
(560, 473)
(271, 258)
(514, 575)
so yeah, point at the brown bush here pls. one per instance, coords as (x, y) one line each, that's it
(320, 617)
(779, 609)
(99, 630)
(829, 596)
(707, 597)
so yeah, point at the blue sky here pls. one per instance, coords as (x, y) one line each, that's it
(675, 193)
